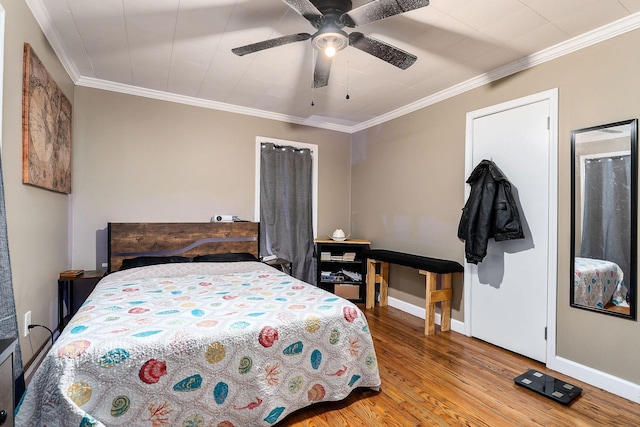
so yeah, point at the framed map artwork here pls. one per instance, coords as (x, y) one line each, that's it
(46, 128)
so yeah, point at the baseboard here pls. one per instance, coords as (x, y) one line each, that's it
(607, 382)
(414, 310)
(35, 361)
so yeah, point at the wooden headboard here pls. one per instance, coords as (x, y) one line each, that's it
(134, 239)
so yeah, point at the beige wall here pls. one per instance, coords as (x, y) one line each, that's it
(37, 219)
(137, 159)
(408, 185)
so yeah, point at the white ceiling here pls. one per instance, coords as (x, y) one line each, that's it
(180, 50)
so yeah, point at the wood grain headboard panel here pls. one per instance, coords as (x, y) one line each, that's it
(190, 239)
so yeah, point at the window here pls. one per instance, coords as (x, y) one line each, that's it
(314, 189)
(286, 193)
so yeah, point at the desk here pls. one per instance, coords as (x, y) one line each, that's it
(86, 279)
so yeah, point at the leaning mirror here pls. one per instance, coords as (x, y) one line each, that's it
(604, 215)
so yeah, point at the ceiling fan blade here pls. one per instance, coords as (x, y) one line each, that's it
(382, 50)
(307, 10)
(322, 70)
(268, 44)
(380, 9)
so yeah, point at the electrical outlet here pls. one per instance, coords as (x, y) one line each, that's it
(27, 322)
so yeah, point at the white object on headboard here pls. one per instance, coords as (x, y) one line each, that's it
(222, 218)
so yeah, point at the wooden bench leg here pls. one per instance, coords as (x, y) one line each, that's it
(383, 279)
(370, 300)
(373, 278)
(445, 305)
(433, 296)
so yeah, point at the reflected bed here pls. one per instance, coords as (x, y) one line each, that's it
(598, 283)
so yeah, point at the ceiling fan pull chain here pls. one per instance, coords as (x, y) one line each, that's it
(313, 67)
(348, 68)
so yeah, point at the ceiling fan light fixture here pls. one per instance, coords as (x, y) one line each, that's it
(330, 51)
(330, 42)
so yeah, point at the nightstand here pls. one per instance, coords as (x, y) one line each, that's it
(87, 281)
(6, 381)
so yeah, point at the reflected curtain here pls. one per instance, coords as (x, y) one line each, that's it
(286, 223)
(8, 318)
(606, 225)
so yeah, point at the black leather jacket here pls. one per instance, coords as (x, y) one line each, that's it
(490, 211)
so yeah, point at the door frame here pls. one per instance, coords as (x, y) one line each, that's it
(552, 257)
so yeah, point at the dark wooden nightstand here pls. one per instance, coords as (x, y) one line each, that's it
(87, 280)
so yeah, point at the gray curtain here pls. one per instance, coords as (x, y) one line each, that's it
(8, 318)
(286, 223)
(606, 226)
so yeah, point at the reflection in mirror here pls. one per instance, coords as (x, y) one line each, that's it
(604, 215)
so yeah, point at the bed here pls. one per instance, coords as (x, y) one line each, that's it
(598, 282)
(199, 343)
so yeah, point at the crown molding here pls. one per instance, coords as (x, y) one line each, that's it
(203, 103)
(624, 25)
(43, 19)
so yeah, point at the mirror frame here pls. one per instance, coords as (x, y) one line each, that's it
(631, 282)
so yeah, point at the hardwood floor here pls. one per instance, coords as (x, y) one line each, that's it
(449, 379)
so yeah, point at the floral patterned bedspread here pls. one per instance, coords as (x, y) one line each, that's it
(598, 282)
(203, 344)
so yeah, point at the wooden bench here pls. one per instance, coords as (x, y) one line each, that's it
(379, 259)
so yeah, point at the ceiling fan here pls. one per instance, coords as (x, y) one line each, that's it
(329, 17)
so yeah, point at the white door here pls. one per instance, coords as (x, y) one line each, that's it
(507, 292)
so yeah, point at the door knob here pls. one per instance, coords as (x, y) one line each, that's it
(3, 417)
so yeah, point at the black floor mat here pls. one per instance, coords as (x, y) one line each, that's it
(548, 386)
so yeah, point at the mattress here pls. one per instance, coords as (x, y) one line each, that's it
(598, 282)
(220, 344)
